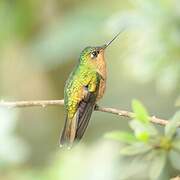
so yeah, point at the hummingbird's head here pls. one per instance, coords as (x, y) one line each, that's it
(94, 56)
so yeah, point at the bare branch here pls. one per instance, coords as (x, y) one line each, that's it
(45, 103)
(128, 114)
(42, 103)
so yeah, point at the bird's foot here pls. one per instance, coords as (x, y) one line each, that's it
(96, 107)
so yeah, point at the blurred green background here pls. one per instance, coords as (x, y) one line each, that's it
(40, 42)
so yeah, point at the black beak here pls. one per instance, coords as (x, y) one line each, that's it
(107, 44)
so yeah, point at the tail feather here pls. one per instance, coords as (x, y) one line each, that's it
(84, 122)
(74, 129)
(69, 132)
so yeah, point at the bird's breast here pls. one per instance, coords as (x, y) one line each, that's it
(102, 86)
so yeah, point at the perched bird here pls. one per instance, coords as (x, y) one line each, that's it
(84, 87)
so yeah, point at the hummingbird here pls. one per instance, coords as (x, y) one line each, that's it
(85, 86)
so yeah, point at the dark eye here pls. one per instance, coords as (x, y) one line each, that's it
(94, 54)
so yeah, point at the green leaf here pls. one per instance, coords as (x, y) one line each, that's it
(143, 136)
(135, 149)
(132, 167)
(140, 111)
(143, 131)
(158, 164)
(175, 159)
(121, 136)
(172, 126)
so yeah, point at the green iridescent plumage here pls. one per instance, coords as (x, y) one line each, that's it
(79, 79)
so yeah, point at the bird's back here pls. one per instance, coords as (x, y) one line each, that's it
(74, 89)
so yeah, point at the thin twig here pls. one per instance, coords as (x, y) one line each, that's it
(45, 103)
(42, 103)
